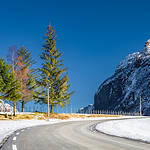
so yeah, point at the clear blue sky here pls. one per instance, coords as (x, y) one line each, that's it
(94, 35)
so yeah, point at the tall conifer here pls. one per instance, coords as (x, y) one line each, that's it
(53, 75)
(23, 72)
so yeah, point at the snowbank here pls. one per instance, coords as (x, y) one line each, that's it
(8, 127)
(137, 129)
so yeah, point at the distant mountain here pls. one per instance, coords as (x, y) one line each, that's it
(86, 109)
(122, 91)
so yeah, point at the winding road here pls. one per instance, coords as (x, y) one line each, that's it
(75, 135)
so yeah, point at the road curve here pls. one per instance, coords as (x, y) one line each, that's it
(69, 136)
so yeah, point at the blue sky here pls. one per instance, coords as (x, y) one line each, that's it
(95, 35)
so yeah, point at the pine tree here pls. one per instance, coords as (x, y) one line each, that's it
(24, 73)
(53, 75)
(9, 86)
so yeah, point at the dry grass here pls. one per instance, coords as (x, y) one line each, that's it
(103, 115)
(17, 117)
(64, 116)
(2, 117)
(68, 116)
(44, 116)
(24, 116)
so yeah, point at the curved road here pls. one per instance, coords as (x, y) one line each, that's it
(69, 136)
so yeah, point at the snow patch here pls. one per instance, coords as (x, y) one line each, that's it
(137, 129)
(8, 127)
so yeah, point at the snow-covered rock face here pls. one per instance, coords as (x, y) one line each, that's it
(131, 80)
(147, 47)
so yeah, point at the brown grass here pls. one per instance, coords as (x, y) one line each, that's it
(24, 116)
(103, 115)
(2, 117)
(68, 116)
(44, 116)
(17, 117)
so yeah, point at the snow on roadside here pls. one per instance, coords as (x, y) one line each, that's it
(8, 127)
(137, 129)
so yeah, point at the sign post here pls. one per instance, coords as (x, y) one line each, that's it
(48, 101)
(140, 107)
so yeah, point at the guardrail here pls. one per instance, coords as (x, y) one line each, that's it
(109, 112)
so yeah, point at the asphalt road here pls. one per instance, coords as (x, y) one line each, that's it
(69, 136)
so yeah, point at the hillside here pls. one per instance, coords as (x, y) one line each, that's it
(122, 91)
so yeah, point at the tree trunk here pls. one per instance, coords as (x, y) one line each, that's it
(52, 111)
(23, 106)
(14, 109)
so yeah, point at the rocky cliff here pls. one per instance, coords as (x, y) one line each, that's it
(122, 91)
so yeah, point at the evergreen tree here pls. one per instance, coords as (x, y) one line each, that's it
(24, 73)
(9, 86)
(53, 75)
